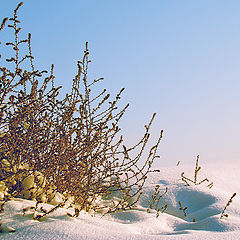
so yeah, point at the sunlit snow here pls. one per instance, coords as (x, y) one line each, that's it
(202, 220)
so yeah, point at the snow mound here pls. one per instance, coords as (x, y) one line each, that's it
(193, 212)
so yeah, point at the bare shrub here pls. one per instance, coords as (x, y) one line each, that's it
(67, 148)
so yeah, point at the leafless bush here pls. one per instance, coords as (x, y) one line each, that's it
(69, 146)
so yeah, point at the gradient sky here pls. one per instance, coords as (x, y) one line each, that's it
(180, 59)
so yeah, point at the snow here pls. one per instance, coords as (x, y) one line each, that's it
(202, 220)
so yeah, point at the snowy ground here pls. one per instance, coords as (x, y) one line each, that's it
(202, 220)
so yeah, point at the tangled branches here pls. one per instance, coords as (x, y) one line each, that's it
(68, 146)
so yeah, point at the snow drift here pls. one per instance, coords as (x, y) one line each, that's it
(199, 220)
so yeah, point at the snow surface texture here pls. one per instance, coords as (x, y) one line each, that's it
(202, 220)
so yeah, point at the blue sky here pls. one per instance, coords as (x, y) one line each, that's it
(177, 58)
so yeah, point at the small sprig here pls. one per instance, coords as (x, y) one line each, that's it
(195, 182)
(76, 213)
(155, 199)
(223, 214)
(3, 23)
(27, 209)
(182, 208)
(2, 204)
(45, 212)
